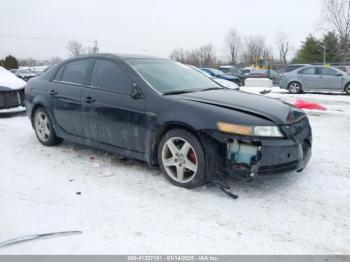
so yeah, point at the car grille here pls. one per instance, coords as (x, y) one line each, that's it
(277, 169)
(11, 98)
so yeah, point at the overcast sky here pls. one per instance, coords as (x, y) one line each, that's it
(41, 28)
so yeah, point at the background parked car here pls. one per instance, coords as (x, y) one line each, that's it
(222, 82)
(246, 70)
(264, 73)
(11, 90)
(345, 69)
(219, 74)
(315, 78)
(24, 74)
(231, 70)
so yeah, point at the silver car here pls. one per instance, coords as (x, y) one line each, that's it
(318, 78)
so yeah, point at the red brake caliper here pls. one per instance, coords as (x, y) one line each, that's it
(193, 157)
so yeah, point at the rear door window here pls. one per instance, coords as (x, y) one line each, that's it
(107, 75)
(75, 72)
(308, 71)
(328, 71)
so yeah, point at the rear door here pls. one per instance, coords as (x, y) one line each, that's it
(329, 79)
(309, 78)
(110, 115)
(66, 91)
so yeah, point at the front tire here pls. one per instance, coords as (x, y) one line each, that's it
(181, 158)
(44, 128)
(295, 88)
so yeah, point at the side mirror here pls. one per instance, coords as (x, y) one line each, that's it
(339, 74)
(135, 93)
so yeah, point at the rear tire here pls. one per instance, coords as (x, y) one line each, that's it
(44, 128)
(181, 159)
(295, 88)
(347, 89)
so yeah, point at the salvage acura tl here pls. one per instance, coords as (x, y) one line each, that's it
(167, 114)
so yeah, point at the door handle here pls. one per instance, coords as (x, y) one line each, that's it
(53, 92)
(90, 100)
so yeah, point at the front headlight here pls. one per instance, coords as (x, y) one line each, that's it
(261, 131)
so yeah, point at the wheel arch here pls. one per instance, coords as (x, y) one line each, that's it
(161, 131)
(295, 81)
(346, 84)
(35, 107)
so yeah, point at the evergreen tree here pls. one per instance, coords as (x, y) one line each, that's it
(311, 51)
(10, 62)
(333, 48)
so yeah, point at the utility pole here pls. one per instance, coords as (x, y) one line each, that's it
(324, 53)
(95, 48)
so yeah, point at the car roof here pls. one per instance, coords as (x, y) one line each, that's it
(120, 56)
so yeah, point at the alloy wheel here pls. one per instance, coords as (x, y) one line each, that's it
(179, 160)
(42, 126)
(294, 88)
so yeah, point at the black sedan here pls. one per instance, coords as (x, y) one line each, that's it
(167, 114)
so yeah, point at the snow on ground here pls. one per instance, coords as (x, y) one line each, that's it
(126, 207)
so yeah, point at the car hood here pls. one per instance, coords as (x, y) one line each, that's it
(272, 109)
(9, 81)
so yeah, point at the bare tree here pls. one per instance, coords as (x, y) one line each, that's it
(55, 60)
(202, 56)
(75, 48)
(207, 55)
(282, 44)
(255, 49)
(94, 49)
(232, 45)
(336, 13)
(179, 55)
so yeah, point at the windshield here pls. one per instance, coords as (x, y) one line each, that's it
(168, 76)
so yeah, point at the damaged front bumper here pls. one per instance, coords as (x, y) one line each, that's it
(253, 156)
(11, 98)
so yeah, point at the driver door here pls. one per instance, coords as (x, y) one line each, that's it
(110, 114)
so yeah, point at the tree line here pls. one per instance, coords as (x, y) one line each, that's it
(332, 47)
(237, 50)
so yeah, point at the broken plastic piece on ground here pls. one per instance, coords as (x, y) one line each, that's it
(38, 236)
(309, 105)
(264, 92)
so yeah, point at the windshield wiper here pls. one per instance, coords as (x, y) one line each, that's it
(213, 88)
(178, 92)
